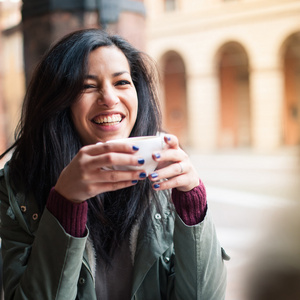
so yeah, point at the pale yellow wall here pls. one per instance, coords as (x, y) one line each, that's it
(198, 29)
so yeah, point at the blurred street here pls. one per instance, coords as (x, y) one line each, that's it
(244, 191)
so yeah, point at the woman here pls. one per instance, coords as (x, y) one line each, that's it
(72, 230)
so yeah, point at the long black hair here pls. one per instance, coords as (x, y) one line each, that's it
(46, 140)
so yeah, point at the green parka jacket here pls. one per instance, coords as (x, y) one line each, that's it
(42, 261)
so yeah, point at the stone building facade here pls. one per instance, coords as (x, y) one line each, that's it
(230, 71)
(230, 68)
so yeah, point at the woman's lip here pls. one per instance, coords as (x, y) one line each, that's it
(107, 118)
(108, 126)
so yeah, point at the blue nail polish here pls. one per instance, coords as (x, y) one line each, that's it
(141, 161)
(135, 148)
(134, 181)
(157, 155)
(156, 185)
(168, 138)
(143, 175)
(154, 175)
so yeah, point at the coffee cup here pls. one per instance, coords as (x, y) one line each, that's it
(147, 146)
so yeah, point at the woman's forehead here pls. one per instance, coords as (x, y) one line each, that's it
(107, 59)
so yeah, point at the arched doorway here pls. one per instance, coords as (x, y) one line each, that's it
(235, 127)
(175, 105)
(292, 90)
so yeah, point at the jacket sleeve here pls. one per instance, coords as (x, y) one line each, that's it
(45, 265)
(199, 267)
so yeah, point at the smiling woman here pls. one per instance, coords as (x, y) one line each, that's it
(73, 226)
(107, 108)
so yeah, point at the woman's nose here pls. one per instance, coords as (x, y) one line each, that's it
(108, 96)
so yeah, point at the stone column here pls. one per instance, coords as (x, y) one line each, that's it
(203, 111)
(45, 21)
(267, 105)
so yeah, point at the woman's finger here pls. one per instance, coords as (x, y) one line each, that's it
(170, 183)
(171, 140)
(101, 148)
(112, 176)
(170, 155)
(183, 182)
(108, 160)
(170, 171)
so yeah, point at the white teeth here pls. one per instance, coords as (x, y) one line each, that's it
(108, 119)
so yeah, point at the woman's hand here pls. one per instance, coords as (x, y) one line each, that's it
(175, 166)
(90, 173)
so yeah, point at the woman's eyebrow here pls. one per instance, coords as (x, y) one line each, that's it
(120, 73)
(116, 74)
(88, 76)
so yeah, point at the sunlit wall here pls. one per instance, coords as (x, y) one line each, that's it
(241, 63)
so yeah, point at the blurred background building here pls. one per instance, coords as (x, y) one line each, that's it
(231, 70)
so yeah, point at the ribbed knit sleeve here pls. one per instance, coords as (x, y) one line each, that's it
(191, 206)
(72, 216)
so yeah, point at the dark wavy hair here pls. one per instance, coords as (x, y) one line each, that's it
(46, 140)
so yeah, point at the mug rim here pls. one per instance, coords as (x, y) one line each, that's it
(135, 138)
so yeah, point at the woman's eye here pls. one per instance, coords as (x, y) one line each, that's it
(123, 82)
(88, 86)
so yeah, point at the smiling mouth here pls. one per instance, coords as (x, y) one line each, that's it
(108, 120)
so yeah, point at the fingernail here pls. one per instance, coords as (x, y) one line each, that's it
(135, 148)
(154, 175)
(168, 138)
(141, 161)
(134, 181)
(157, 155)
(156, 185)
(143, 175)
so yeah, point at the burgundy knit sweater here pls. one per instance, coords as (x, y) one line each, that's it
(190, 206)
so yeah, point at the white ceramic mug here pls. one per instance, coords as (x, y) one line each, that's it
(147, 146)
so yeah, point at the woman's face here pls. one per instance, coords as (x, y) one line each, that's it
(107, 107)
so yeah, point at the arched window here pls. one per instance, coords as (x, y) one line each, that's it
(292, 90)
(175, 105)
(235, 129)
